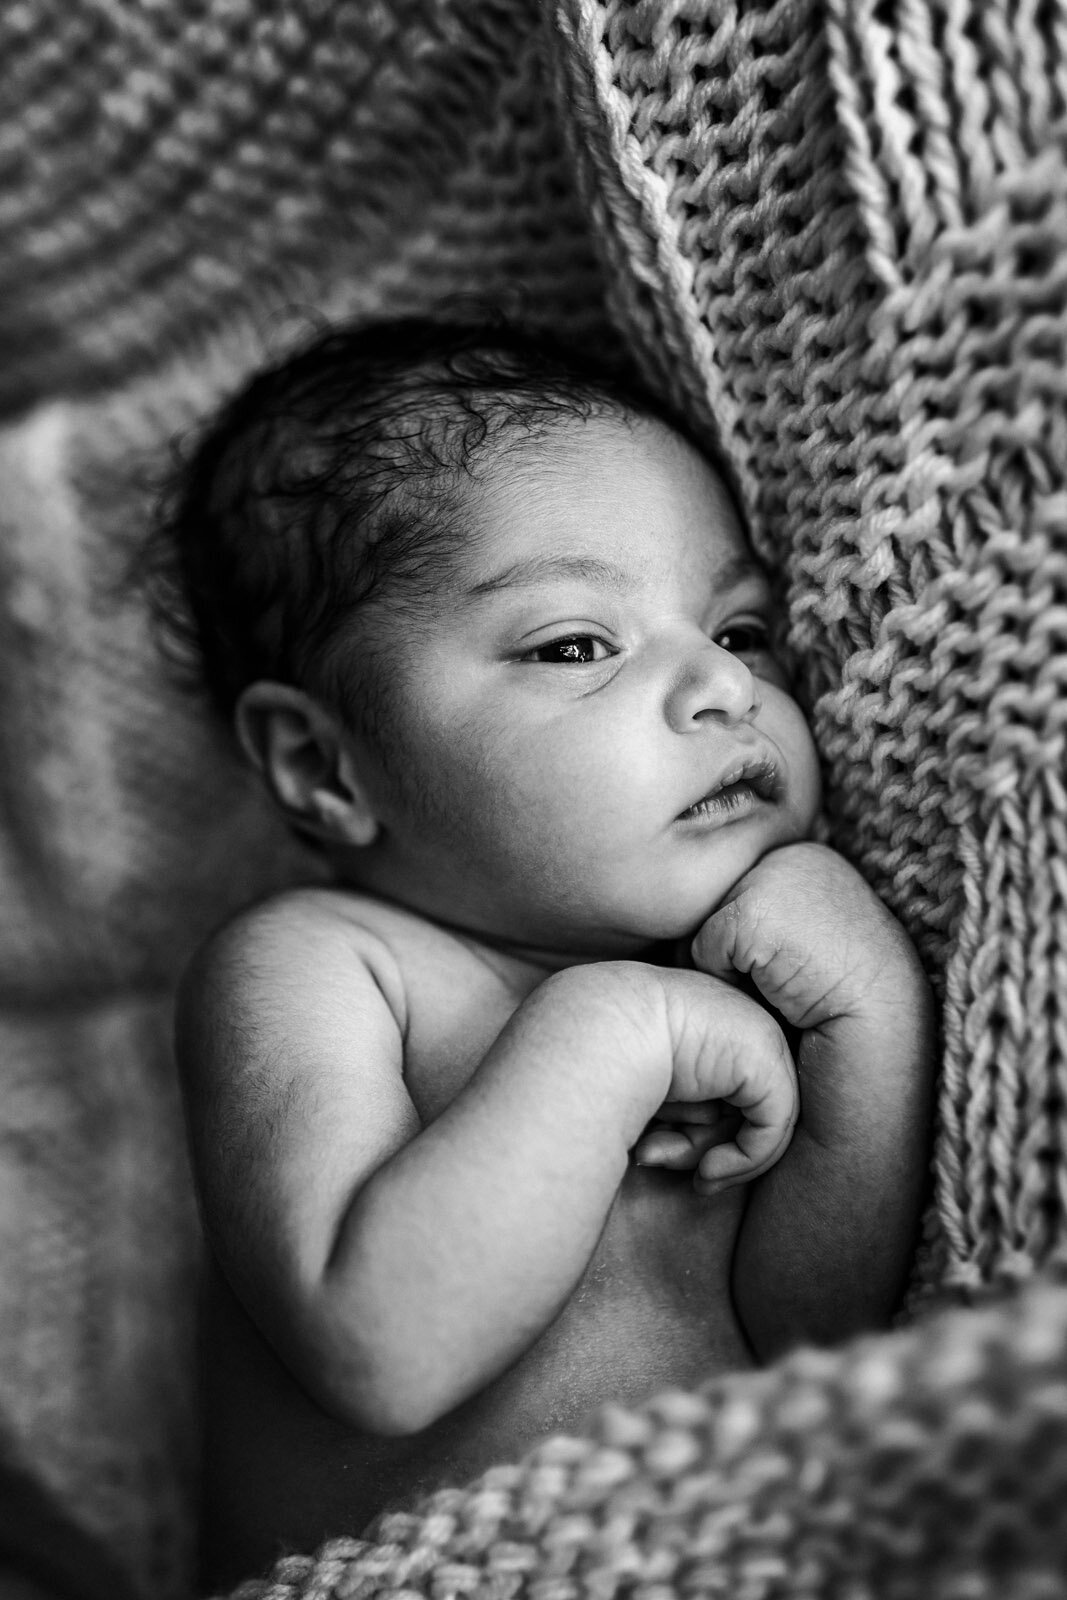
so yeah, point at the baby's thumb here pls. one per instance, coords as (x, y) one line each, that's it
(715, 948)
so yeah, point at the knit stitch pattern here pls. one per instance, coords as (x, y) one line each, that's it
(850, 221)
(834, 234)
(932, 1463)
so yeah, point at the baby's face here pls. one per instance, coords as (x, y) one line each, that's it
(591, 738)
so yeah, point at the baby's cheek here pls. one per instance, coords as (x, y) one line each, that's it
(804, 790)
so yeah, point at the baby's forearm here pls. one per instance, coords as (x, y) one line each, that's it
(459, 1251)
(829, 1233)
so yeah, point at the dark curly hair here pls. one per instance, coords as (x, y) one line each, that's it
(337, 475)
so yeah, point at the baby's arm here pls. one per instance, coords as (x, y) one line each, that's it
(398, 1267)
(828, 1235)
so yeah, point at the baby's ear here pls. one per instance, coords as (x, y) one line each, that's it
(304, 755)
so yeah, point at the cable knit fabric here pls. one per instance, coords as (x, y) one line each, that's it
(834, 233)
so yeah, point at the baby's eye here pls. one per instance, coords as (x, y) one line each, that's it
(577, 649)
(745, 638)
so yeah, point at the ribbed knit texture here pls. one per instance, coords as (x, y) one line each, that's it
(850, 225)
(835, 233)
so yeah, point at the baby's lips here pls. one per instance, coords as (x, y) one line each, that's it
(758, 769)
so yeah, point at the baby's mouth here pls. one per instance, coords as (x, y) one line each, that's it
(741, 787)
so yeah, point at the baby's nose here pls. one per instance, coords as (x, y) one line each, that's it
(712, 683)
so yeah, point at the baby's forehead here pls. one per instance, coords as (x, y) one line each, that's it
(612, 499)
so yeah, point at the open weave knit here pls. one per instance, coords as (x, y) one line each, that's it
(833, 232)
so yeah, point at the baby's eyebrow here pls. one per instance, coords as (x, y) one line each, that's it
(536, 569)
(737, 567)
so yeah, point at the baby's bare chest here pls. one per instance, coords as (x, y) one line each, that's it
(653, 1307)
(456, 1010)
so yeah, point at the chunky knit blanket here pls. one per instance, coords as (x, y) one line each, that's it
(834, 232)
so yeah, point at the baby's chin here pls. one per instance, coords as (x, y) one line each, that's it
(647, 922)
(679, 915)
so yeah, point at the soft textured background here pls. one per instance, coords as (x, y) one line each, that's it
(834, 232)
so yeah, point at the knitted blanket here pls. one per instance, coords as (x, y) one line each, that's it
(833, 232)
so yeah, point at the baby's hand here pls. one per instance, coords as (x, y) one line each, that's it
(680, 1133)
(814, 938)
(826, 1241)
(733, 1100)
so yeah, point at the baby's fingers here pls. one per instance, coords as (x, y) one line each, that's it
(727, 1048)
(667, 1147)
(754, 1151)
(679, 1146)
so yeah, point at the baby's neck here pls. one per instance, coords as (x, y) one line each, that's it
(524, 959)
(522, 968)
(507, 950)
(514, 954)
(543, 960)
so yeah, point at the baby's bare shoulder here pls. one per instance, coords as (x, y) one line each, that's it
(301, 988)
(308, 942)
(299, 942)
